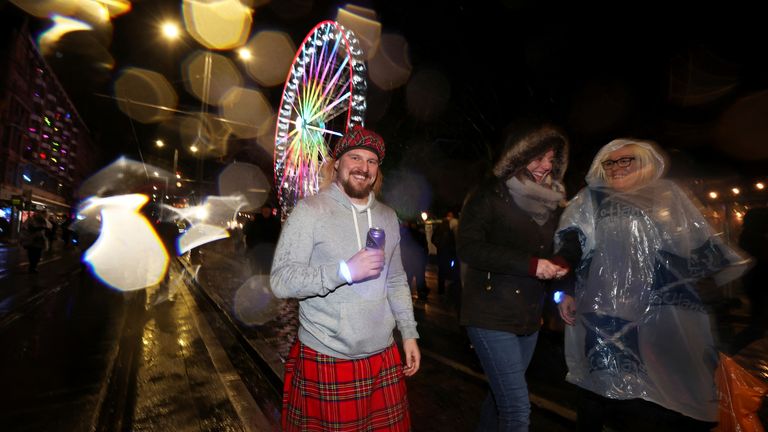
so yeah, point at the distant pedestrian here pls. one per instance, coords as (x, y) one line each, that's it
(415, 252)
(345, 372)
(444, 239)
(754, 241)
(33, 239)
(52, 230)
(261, 234)
(66, 231)
(505, 241)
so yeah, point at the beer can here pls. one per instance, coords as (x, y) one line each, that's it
(375, 238)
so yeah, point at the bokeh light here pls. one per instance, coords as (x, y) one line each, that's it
(61, 26)
(407, 192)
(427, 94)
(291, 9)
(123, 176)
(204, 134)
(254, 302)
(47, 8)
(219, 211)
(116, 7)
(209, 76)
(246, 111)
(266, 137)
(145, 96)
(271, 55)
(199, 235)
(221, 24)
(742, 130)
(127, 255)
(209, 221)
(391, 67)
(95, 12)
(364, 25)
(247, 181)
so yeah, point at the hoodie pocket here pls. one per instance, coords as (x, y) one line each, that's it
(366, 327)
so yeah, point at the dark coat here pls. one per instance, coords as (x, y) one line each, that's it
(499, 243)
(498, 239)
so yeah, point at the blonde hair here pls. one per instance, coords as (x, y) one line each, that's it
(328, 175)
(650, 162)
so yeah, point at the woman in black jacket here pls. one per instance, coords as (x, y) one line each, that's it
(505, 239)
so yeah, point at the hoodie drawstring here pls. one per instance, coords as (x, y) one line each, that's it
(357, 226)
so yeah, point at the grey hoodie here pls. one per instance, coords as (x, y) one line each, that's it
(338, 319)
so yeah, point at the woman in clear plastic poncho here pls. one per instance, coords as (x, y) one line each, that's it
(637, 326)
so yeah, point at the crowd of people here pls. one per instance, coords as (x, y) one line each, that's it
(629, 251)
(39, 232)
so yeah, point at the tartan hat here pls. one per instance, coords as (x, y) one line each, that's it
(359, 137)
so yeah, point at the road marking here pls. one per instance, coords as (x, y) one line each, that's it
(537, 400)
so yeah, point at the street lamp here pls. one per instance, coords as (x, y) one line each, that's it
(170, 30)
(245, 54)
(159, 143)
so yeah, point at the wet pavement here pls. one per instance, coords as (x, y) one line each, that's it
(206, 353)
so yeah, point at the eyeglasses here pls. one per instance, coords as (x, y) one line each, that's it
(620, 162)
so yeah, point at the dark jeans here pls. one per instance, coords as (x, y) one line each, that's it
(504, 357)
(630, 415)
(33, 255)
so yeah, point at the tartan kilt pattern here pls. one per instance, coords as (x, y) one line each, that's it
(323, 393)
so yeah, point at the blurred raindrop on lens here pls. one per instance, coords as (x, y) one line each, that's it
(361, 11)
(246, 180)
(246, 111)
(378, 103)
(272, 54)
(61, 26)
(145, 96)
(87, 46)
(209, 76)
(266, 138)
(742, 131)
(364, 25)
(128, 255)
(391, 67)
(221, 24)
(407, 192)
(254, 302)
(208, 135)
(427, 94)
(123, 176)
(291, 9)
(199, 235)
(47, 8)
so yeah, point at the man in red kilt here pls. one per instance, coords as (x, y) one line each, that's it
(344, 372)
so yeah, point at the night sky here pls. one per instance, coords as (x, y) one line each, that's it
(692, 79)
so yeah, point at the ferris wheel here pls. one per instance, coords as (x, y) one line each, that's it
(324, 95)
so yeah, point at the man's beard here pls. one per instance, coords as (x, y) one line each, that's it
(352, 191)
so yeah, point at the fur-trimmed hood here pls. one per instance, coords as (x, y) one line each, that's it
(520, 150)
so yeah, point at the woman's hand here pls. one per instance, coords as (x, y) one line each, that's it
(546, 269)
(567, 309)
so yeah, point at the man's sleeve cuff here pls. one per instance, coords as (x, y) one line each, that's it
(344, 272)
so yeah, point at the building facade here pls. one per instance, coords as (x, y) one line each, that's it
(45, 148)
